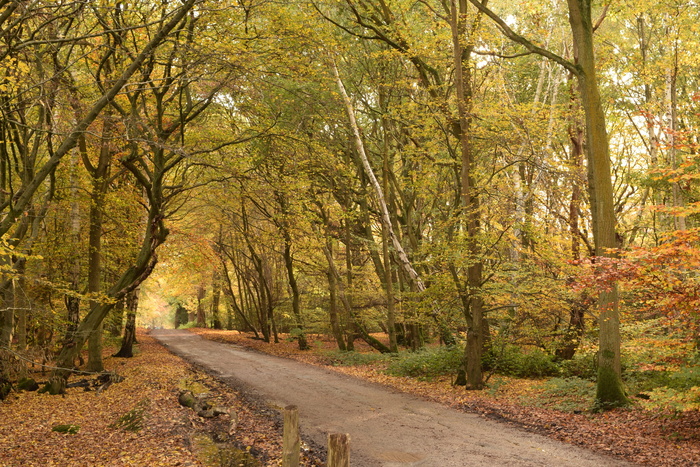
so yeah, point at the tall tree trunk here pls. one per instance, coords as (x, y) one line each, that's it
(99, 174)
(296, 307)
(201, 315)
(388, 276)
(132, 303)
(347, 288)
(609, 388)
(73, 301)
(473, 305)
(215, 299)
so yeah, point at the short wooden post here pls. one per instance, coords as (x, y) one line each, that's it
(290, 441)
(338, 450)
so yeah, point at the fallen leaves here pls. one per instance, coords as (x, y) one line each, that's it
(148, 395)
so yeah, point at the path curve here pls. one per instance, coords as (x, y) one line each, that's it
(386, 428)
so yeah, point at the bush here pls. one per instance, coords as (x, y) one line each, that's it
(678, 391)
(583, 365)
(685, 378)
(511, 360)
(427, 363)
(672, 399)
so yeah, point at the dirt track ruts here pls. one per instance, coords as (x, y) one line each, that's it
(386, 428)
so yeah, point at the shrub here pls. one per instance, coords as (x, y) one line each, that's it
(583, 365)
(673, 399)
(687, 378)
(427, 363)
(511, 360)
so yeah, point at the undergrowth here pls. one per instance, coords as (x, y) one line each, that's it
(427, 363)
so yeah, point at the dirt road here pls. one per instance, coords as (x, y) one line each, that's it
(386, 428)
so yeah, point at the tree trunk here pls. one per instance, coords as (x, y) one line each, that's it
(474, 313)
(21, 304)
(215, 299)
(346, 288)
(333, 301)
(296, 307)
(201, 316)
(99, 175)
(388, 276)
(8, 322)
(132, 303)
(609, 388)
(115, 322)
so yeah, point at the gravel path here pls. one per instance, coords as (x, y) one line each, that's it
(386, 428)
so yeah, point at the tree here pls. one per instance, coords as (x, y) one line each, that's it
(150, 174)
(610, 391)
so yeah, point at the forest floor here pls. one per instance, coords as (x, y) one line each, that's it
(138, 421)
(634, 434)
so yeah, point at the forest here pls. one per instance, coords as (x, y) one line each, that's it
(504, 187)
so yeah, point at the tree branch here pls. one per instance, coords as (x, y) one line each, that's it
(515, 37)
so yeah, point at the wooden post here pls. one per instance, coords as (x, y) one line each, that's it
(290, 440)
(338, 450)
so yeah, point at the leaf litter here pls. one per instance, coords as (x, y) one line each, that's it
(139, 422)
